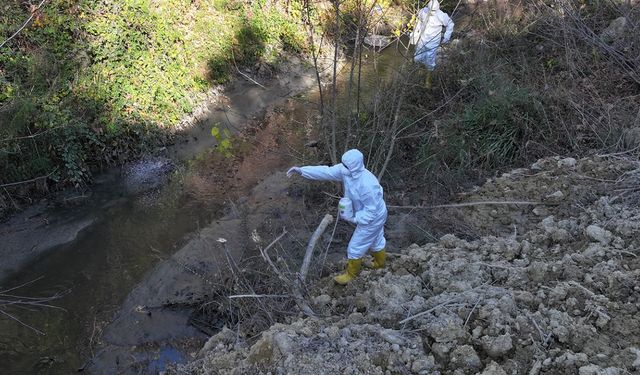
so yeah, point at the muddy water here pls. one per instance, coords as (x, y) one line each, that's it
(129, 235)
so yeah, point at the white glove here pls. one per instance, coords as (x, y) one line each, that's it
(294, 170)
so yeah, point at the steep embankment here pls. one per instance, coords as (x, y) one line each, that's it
(555, 292)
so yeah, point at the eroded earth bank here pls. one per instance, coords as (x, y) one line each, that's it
(548, 289)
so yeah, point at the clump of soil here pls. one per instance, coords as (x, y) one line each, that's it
(554, 290)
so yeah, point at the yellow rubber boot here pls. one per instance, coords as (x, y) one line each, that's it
(378, 259)
(428, 82)
(353, 269)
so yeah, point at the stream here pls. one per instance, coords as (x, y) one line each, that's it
(122, 234)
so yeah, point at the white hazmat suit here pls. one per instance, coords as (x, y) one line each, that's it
(364, 190)
(427, 34)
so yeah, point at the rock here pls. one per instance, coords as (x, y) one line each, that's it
(226, 337)
(615, 30)
(493, 369)
(597, 370)
(466, 358)
(441, 350)
(567, 163)
(283, 342)
(556, 196)
(535, 368)
(596, 233)
(261, 351)
(449, 240)
(497, 346)
(361, 301)
(392, 336)
(537, 271)
(423, 366)
(560, 236)
(322, 300)
(589, 370)
(602, 320)
(332, 332)
(540, 211)
(445, 328)
(537, 166)
(477, 332)
(636, 363)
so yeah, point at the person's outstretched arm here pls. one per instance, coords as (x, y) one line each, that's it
(319, 173)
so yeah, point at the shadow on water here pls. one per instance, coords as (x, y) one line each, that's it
(98, 269)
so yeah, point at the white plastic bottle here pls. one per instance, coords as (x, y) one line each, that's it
(345, 206)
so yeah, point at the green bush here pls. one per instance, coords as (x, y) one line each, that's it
(490, 132)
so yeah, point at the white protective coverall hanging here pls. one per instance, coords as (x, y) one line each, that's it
(427, 34)
(364, 190)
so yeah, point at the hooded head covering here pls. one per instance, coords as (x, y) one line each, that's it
(434, 5)
(353, 160)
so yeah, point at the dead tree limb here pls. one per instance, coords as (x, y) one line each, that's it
(471, 204)
(328, 219)
(299, 283)
(28, 181)
(34, 11)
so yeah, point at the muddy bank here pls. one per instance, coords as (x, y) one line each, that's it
(34, 231)
(555, 294)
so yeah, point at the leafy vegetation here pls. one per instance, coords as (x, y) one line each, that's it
(94, 82)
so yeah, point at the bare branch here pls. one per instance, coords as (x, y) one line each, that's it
(34, 12)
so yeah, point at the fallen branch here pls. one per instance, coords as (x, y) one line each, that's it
(470, 204)
(300, 301)
(471, 312)
(445, 303)
(328, 219)
(244, 75)
(580, 286)
(624, 252)
(259, 296)
(544, 338)
(496, 266)
(250, 79)
(266, 257)
(29, 136)
(8, 301)
(28, 181)
(299, 283)
(22, 323)
(34, 11)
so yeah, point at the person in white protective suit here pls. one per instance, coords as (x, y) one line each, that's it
(427, 35)
(366, 194)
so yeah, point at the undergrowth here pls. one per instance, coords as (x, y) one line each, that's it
(526, 80)
(89, 83)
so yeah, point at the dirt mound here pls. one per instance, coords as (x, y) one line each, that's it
(557, 293)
